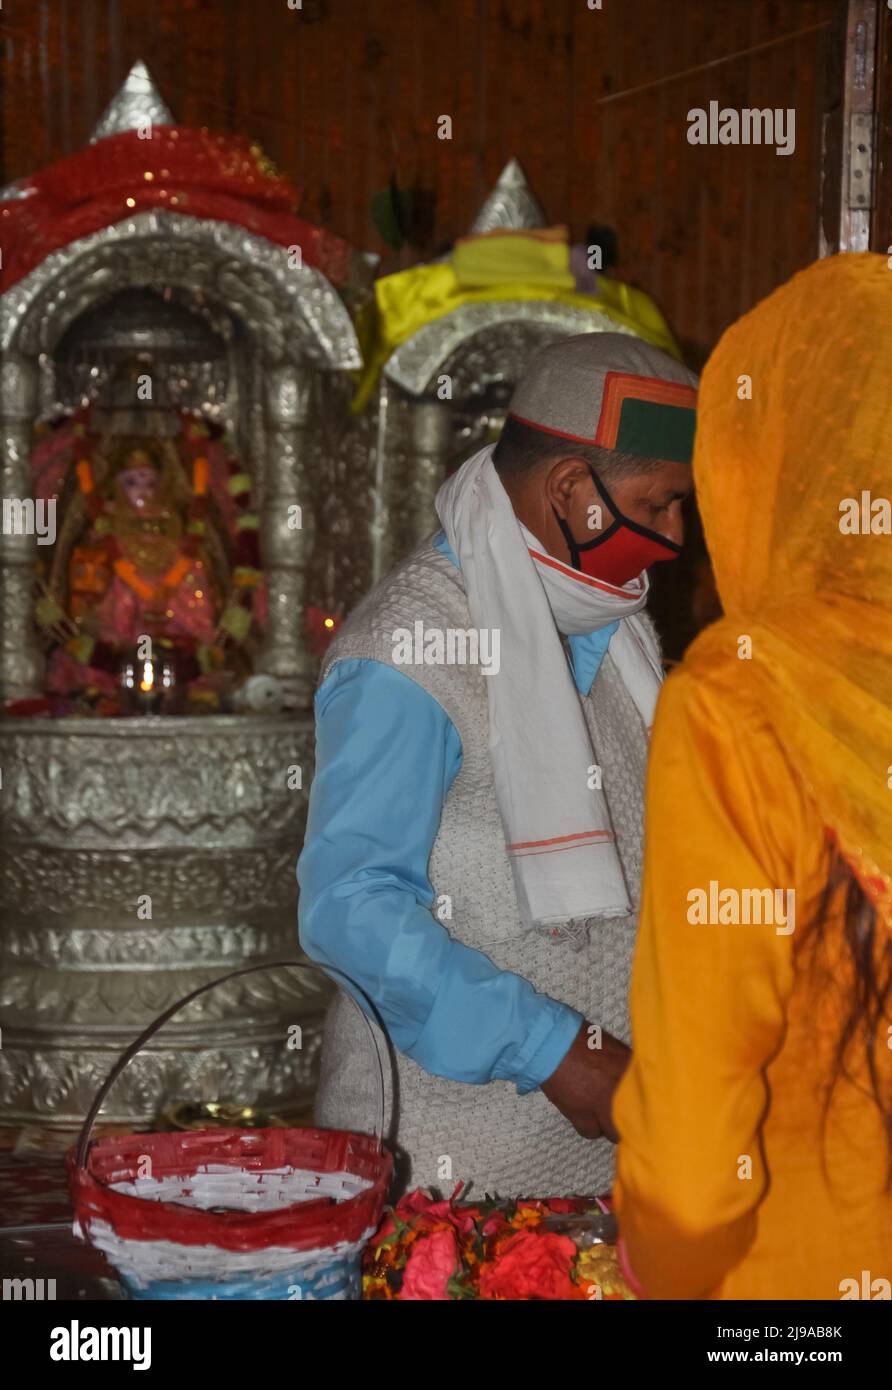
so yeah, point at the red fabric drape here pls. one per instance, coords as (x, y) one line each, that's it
(193, 172)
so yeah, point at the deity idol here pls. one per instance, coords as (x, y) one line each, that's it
(159, 585)
(170, 552)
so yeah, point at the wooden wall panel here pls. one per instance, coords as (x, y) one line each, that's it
(343, 92)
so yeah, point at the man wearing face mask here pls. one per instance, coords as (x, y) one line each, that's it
(473, 850)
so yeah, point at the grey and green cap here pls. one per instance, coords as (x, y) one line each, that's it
(613, 390)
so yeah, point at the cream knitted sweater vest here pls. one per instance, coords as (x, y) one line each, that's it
(442, 1130)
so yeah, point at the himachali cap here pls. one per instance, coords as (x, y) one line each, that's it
(612, 390)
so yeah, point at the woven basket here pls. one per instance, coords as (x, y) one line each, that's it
(231, 1213)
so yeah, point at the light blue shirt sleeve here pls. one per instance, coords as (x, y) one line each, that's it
(386, 755)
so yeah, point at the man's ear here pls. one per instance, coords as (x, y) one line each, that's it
(564, 479)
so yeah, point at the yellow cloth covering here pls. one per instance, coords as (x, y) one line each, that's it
(512, 257)
(734, 1026)
(406, 301)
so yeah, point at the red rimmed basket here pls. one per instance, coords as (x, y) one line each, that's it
(232, 1213)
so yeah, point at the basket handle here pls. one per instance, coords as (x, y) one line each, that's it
(147, 1033)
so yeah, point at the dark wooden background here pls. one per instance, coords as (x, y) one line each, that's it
(341, 93)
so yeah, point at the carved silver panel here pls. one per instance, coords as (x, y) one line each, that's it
(417, 362)
(54, 1087)
(21, 661)
(293, 313)
(140, 858)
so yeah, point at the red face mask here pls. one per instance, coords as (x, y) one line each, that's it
(620, 552)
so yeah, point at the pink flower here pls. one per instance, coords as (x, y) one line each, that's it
(418, 1200)
(421, 1203)
(430, 1266)
(464, 1219)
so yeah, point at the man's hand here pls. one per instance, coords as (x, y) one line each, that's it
(582, 1086)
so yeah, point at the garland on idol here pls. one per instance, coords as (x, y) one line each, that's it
(238, 609)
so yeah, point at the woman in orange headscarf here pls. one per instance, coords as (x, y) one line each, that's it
(755, 1118)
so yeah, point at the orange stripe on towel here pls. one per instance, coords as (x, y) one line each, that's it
(579, 577)
(555, 849)
(562, 839)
